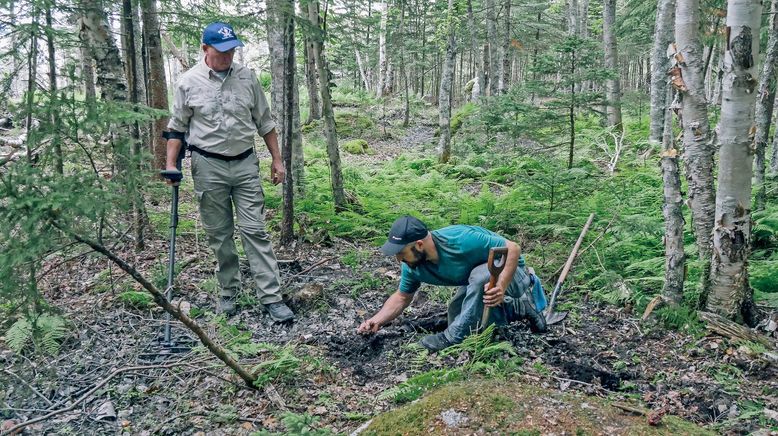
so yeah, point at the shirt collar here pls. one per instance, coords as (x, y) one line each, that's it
(208, 72)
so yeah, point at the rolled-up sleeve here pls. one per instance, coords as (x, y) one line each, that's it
(260, 113)
(179, 119)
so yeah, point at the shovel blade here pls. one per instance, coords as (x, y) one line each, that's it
(555, 317)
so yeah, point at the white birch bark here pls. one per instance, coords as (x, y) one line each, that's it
(494, 56)
(478, 88)
(698, 150)
(730, 293)
(382, 68)
(675, 258)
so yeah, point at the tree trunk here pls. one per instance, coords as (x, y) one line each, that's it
(312, 83)
(157, 80)
(505, 76)
(336, 174)
(613, 86)
(382, 67)
(444, 98)
(765, 98)
(675, 258)
(56, 141)
(730, 294)
(660, 63)
(277, 12)
(698, 150)
(583, 19)
(32, 85)
(572, 18)
(491, 35)
(774, 156)
(478, 86)
(96, 35)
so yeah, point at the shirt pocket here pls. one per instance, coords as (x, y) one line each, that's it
(204, 105)
(241, 103)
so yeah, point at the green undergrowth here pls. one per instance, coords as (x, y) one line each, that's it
(526, 193)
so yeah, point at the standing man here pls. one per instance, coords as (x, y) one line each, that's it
(218, 106)
(456, 256)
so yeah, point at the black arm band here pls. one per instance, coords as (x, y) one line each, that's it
(173, 135)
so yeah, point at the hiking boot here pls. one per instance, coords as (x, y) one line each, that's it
(537, 322)
(435, 342)
(226, 305)
(280, 312)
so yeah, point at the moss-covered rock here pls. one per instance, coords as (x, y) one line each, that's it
(349, 124)
(505, 407)
(357, 146)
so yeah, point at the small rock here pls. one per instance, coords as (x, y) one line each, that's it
(714, 345)
(123, 388)
(770, 413)
(771, 326)
(733, 412)
(106, 412)
(722, 407)
(585, 405)
(453, 419)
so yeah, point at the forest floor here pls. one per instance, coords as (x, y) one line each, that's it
(602, 361)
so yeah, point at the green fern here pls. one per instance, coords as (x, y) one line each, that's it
(414, 387)
(51, 330)
(482, 348)
(45, 333)
(19, 335)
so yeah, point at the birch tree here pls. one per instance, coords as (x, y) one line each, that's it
(730, 294)
(505, 69)
(688, 78)
(660, 63)
(675, 258)
(446, 82)
(382, 62)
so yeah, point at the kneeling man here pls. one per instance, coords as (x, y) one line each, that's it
(456, 256)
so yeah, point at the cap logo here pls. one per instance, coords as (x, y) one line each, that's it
(226, 33)
(396, 238)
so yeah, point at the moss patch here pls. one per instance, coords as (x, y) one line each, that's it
(502, 407)
(357, 146)
(349, 124)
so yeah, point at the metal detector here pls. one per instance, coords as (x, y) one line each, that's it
(167, 344)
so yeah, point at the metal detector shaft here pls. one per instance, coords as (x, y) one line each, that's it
(171, 258)
(568, 264)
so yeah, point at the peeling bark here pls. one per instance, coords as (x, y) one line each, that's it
(730, 293)
(698, 150)
(675, 259)
(612, 86)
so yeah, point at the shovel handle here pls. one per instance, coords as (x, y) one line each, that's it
(496, 266)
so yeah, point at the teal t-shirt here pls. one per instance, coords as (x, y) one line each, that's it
(460, 249)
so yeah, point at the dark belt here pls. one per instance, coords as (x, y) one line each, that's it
(241, 156)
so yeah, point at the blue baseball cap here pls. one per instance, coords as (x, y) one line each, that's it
(221, 36)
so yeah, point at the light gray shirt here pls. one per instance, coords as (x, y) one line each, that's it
(220, 116)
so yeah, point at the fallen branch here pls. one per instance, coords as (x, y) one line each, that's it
(86, 395)
(160, 299)
(631, 409)
(310, 268)
(29, 386)
(724, 327)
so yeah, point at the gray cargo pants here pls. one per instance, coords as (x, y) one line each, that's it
(218, 186)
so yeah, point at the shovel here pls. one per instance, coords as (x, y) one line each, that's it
(555, 317)
(496, 264)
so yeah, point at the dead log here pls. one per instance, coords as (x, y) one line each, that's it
(724, 327)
